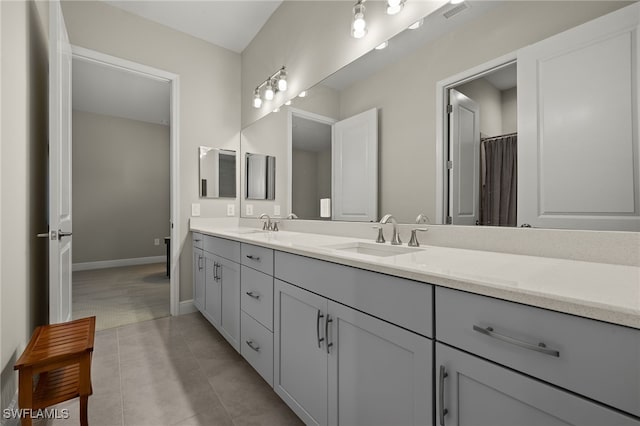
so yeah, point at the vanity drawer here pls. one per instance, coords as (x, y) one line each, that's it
(223, 248)
(257, 346)
(256, 298)
(259, 258)
(198, 240)
(399, 301)
(595, 359)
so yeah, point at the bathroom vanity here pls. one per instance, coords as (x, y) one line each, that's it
(347, 334)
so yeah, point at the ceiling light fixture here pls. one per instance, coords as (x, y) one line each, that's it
(382, 45)
(416, 25)
(456, 1)
(302, 94)
(277, 82)
(358, 25)
(288, 102)
(395, 6)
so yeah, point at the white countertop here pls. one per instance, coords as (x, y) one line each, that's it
(599, 291)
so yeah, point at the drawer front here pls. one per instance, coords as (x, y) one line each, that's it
(259, 258)
(406, 303)
(257, 347)
(256, 297)
(594, 359)
(198, 240)
(223, 248)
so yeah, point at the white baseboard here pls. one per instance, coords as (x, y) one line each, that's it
(85, 266)
(187, 307)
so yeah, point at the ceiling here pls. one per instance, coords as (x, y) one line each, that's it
(504, 78)
(107, 90)
(229, 24)
(309, 135)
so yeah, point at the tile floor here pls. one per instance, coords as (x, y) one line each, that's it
(174, 371)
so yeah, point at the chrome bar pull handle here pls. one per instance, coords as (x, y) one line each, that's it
(252, 346)
(253, 294)
(326, 333)
(254, 258)
(200, 263)
(218, 271)
(442, 411)
(540, 347)
(320, 339)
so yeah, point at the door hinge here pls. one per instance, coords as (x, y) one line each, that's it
(449, 109)
(449, 165)
(449, 220)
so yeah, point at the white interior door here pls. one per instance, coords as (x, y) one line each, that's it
(464, 157)
(59, 167)
(354, 158)
(578, 153)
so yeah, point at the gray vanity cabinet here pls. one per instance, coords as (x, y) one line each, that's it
(212, 308)
(336, 365)
(198, 272)
(473, 392)
(229, 280)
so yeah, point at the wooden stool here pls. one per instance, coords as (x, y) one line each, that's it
(61, 355)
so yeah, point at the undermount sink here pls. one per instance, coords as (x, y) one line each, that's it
(372, 249)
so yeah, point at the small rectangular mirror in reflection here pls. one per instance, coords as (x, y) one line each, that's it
(261, 176)
(217, 173)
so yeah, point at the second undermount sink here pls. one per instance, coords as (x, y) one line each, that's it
(372, 249)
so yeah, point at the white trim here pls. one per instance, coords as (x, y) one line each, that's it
(187, 307)
(442, 135)
(102, 264)
(310, 116)
(174, 79)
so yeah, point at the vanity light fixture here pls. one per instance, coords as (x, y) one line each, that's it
(395, 6)
(358, 25)
(416, 25)
(382, 45)
(277, 82)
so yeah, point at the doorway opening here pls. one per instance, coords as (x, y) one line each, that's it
(124, 185)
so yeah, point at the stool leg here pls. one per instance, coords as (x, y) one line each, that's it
(25, 393)
(84, 402)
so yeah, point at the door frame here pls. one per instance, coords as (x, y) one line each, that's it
(174, 150)
(442, 120)
(309, 116)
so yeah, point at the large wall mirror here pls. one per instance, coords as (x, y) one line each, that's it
(439, 121)
(217, 174)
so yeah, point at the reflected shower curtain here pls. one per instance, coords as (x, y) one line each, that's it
(498, 180)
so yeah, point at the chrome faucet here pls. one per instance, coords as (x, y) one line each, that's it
(292, 216)
(395, 238)
(267, 223)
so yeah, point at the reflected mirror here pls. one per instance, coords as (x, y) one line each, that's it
(217, 173)
(452, 104)
(260, 177)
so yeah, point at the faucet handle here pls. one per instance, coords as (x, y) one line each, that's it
(413, 242)
(380, 238)
(265, 226)
(274, 226)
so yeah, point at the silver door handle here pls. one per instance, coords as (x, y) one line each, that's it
(250, 344)
(443, 411)
(43, 235)
(320, 340)
(63, 234)
(540, 347)
(253, 295)
(326, 333)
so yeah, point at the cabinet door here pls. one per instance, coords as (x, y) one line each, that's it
(212, 290)
(300, 354)
(198, 278)
(379, 374)
(229, 279)
(476, 392)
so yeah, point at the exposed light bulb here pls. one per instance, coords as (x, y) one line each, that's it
(302, 94)
(288, 102)
(394, 6)
(257, 100)
(416, 25)
(382, 45)
(268, 92)
(282, 81)
(359, 25)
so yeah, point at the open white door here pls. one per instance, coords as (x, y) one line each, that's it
(578, 109)
(464, 159)
(59, 167)
(354, 158)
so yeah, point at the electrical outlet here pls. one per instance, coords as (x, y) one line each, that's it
(276, 210)
(231, 210)
(195, 209)
(156, 241)
(249, 209)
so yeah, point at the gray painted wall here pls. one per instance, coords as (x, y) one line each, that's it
(510, 110)
(120, 188)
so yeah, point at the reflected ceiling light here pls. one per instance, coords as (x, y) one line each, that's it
(395, 6)
(277, 82)
(276, 109)
(358, 25)
(288, 102)
(302, 94)
(416, 25)
(382, 45)
(456, 1)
